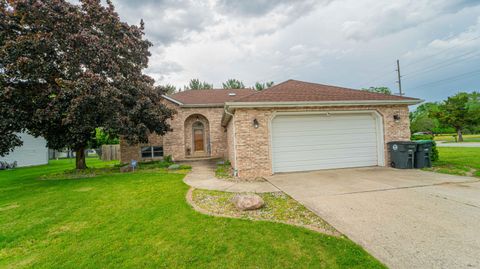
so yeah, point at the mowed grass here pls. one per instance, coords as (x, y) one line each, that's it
(141, 220)
(450, 138)
(458, 161)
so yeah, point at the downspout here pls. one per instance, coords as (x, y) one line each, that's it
(235, 171)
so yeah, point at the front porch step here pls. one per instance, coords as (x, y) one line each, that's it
(198, 158)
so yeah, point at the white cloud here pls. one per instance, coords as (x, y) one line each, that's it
(387, 18)
(343, 42)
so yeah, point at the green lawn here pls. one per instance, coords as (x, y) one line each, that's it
(458, 161)
(141, 220)
(223, 171)
(450, 138)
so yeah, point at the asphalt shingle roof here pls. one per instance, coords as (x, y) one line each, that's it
(288, 91)
(299, 91)
(217, 96)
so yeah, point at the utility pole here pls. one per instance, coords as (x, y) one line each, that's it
(399, 81)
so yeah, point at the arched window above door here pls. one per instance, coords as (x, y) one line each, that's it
(197, 125)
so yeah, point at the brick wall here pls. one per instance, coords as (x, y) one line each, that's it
(253, 145)
(176, 142)
(132, 152)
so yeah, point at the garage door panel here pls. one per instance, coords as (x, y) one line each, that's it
(295, 156)
(325, 146)
(327, 160)
(316, 132)
(328, 125)
(312, 142)
(331, 164)
(322, 140)
(311, 118)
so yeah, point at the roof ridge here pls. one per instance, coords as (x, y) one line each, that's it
(346, 88)
(296, 89)
(265, 90)
(216, 89)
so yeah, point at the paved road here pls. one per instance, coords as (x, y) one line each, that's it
(405, 218)
(460, 145)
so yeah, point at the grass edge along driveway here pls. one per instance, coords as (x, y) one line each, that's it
(457, 161)
(142, 220)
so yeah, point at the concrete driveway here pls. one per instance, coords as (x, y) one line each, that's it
(405, 218)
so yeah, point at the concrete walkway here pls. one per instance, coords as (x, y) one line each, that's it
(203, 177)
(460, 145)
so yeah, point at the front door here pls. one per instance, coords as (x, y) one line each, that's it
(198, 139)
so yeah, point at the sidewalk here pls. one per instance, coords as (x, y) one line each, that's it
(203, 177)
(460, 144)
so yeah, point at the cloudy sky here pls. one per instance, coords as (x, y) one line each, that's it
(351, 43)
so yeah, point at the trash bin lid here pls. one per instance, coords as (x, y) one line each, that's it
(403, 142)
(424, 141)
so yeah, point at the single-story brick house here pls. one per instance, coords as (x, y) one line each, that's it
(292, 126)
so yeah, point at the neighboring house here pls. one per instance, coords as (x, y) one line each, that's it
(34, 151)
(293, 126)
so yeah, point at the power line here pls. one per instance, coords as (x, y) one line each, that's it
(441, 64)
(439, 67)
(421, 60)
(452, 78)
(441, 51)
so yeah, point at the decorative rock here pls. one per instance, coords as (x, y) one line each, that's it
(126, 168)
(174, 167)
(248, 202)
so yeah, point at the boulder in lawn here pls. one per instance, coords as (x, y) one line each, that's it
(174, 167)
(248, 202)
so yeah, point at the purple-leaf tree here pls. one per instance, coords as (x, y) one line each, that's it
(68, 69)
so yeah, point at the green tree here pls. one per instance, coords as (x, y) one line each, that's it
(262, 86)
(102, 138)
(166, 89)
(233, 84)
(384, 90)
(69, 69)
(421, 120)
(196, 84)
(459, 111)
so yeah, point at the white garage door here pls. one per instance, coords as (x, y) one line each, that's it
(320, 141)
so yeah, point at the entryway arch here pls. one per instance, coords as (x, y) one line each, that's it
(197, 136)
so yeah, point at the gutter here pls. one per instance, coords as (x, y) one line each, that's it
(231, 106)
(321, 103)
(191, 105)
(227, 116)
(172, 100)
(202, 105)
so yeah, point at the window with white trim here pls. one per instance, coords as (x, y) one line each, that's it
(152, 152)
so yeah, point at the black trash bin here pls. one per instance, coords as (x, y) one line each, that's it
(423, 154)
(402, 154)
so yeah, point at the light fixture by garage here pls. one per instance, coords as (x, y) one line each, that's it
(396, 116)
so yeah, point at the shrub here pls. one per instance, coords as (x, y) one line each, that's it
(434, 155)
(168, 159)
(421, 137)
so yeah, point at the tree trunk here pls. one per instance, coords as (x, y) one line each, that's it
(80, 162)
(460, 136)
